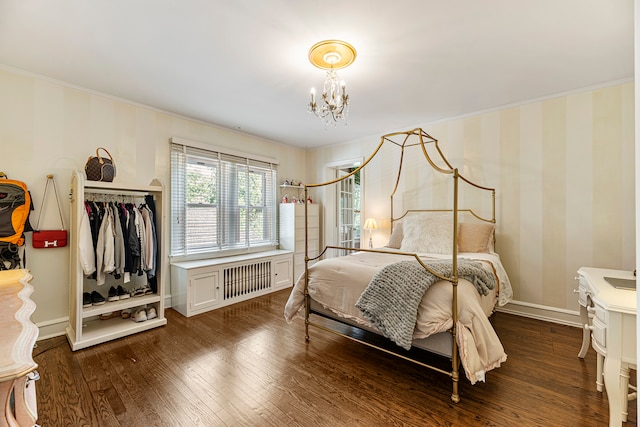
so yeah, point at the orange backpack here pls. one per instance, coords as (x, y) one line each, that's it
(15, 207)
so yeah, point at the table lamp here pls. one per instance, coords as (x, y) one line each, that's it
(370, 224)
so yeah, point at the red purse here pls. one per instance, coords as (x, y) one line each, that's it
(49, 238)
(42, 239)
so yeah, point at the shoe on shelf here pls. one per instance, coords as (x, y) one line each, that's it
(113, 294)
(125, 314)
(110, 315)
(139, 315)
(122, 293)
(147, 290)
(151, 313)
(96, 298)
(137, 292)
(86, 300)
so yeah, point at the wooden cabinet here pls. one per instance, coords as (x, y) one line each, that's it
(291, 231)
(86, 328)
(17, 368)
(204, 285)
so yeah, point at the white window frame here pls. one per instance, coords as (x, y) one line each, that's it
(227, 236)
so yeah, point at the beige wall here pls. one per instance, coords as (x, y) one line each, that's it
(48, 127)
(564, 173)
(563, 169)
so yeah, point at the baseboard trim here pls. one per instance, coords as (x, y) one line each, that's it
(52, 328)
(543, 312)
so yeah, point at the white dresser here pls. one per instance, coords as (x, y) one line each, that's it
(292, 232)
(18, 334)
(613, 333)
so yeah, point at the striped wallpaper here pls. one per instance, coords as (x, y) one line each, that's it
(563, 169)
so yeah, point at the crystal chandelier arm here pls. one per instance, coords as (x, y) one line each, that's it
(334, 101)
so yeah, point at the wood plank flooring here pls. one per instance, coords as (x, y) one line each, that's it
(243, 365)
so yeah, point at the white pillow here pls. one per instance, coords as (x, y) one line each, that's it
(395, 241)
(430, 233)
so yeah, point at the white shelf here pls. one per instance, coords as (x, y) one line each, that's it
(111, 306)
(115, 186)
(297, 191)
(99, 331)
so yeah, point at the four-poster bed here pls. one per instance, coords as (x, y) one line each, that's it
(432, 287)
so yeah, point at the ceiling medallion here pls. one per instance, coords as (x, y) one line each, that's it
(331, 55)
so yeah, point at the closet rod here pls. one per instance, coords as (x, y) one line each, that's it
(116, 192)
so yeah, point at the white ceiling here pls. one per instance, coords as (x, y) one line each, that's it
(243, 63)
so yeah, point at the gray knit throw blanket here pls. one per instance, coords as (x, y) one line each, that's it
(390, 301)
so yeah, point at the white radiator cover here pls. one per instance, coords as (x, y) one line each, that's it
(204, 285)
(246, 279)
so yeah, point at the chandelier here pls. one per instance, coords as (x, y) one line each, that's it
(333, 103)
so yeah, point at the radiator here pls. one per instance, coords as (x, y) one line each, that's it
(242, 280)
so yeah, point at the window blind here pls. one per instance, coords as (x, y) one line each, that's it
(220, 201)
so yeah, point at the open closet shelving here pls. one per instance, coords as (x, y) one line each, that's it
(291, 191)
(85, 326)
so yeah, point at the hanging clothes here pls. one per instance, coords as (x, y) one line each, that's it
(86, 252)
(151, 274)
(149, 240)
(120, 239)
(105, 247)
(95, 220)
(141, 231)
(133, 239)
(118, 253)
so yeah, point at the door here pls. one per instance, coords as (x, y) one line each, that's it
(348, 209)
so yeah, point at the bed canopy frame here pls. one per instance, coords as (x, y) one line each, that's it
(406, 140)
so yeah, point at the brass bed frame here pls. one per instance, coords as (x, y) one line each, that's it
(404, 140)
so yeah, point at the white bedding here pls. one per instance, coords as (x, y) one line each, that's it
(336, 284)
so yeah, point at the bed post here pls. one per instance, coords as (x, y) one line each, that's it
(306, 265)
(455, 397)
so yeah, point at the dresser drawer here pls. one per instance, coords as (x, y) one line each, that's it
(602, 315)
(599, 332)
(587, 285)
(314, 221)
(582, 296)
(583, 292)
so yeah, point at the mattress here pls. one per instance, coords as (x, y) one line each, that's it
(336, 283)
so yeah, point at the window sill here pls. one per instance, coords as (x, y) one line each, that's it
(221, 254)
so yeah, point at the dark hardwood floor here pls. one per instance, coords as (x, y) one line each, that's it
(245, 366)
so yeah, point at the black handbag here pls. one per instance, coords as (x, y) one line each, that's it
(100, 168)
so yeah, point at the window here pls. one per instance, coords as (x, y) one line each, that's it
(220, 201)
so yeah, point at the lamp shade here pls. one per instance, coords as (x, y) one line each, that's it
(370, 224)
